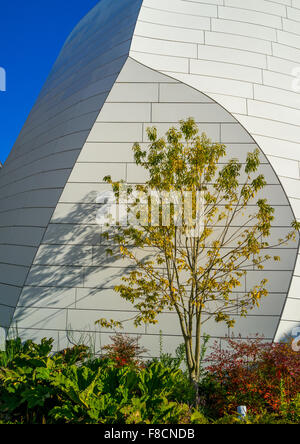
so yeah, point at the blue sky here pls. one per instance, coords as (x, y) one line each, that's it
(32, 33)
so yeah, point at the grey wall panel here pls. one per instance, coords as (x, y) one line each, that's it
(37, 181)
(35, 198)
(9, 295)
(13, 275)
(21, 236)
(24, 254)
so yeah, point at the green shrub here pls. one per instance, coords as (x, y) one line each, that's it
(37, 387)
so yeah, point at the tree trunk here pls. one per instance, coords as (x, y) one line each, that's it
(193, 360)
(192, 369)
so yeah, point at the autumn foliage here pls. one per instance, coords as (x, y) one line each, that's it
(254, 373)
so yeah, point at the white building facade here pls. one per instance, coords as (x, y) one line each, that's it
(233, 66)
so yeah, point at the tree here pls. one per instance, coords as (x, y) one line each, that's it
(204, 228)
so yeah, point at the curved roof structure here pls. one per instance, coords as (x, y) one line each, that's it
(128, 65)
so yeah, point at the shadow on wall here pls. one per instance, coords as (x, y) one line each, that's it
(71, 282)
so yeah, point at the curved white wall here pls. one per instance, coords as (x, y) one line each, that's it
(242, 54)
(127, 65)
(71, 281)
(38, 167)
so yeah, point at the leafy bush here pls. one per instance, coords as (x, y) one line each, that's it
(262, 376)
(113, 394)
(25, 388)
(37, 387)
(78, 353)
(173, 362)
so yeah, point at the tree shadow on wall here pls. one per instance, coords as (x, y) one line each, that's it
(71, 283)
(72, 273)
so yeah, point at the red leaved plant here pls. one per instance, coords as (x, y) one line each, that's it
(125, 350)
(254, 373)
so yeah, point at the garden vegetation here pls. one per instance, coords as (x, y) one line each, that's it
(38, 386)
(192, 272)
